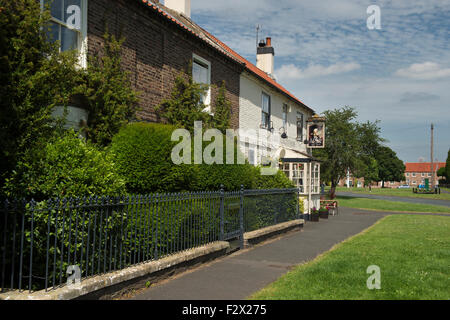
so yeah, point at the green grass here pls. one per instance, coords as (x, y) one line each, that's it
(394, 192)
(384, 205)
(412, 251)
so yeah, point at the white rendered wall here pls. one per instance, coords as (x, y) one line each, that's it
(251, 90)
(181, 6)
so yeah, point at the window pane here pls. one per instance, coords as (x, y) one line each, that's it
(69, 39)
(56, 8)
(199, 73)
(53, 32)
(67, 4)
(265, 103)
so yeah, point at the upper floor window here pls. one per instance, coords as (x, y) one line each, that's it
(299, 126)
(66, 22)
(201, 73)
(68, 25)
(413, 174)
(265, 115)
(285, 113)
(407, 174)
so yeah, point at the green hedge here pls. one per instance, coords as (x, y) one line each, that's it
(64, 166)
(143, 151)
(143, 156)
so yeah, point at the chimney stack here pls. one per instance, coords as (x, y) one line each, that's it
(265, 56)
(180, 6)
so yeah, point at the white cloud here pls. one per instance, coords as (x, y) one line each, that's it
(424, 71)
(291, 72)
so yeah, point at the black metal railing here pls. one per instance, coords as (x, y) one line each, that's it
(42, 241)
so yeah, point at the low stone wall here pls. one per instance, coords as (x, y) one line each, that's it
(108, 285)
(253, 237)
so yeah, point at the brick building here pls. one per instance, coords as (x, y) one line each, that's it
(159, 44)
(415, 175)
(161, 41)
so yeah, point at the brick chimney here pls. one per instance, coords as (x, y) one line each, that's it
(265, 56)
(181, 6)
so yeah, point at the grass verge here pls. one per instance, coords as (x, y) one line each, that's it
(412, 251)
(385, 205)
(394, 193)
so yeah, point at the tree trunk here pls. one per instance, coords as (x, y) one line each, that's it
(333, 190)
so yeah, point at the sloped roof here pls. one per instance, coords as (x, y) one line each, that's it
(422, 166)
(191, 27)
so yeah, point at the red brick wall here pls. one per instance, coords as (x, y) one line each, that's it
(155, 52)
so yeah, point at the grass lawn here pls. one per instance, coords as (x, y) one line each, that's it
(394, 193)
(384, 205)
(412, 251)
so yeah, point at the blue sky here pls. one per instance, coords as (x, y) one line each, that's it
(328, 58)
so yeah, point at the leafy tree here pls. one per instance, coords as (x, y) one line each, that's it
(369, 139)
(342, 148)
(447, 166)
(442, 172)
(222, 112)
(111, 101)
(34, 78)
(391, 168)
(185, 106)
(371, 172)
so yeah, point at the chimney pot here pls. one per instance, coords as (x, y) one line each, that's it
(268, 42)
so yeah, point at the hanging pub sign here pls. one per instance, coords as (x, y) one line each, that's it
(316, 132)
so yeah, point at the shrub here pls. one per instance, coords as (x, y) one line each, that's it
(66, 166)
(143, 155)
(277, 181)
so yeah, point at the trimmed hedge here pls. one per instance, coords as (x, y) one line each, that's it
(143, 156)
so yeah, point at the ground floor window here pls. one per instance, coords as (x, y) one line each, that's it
(298, 173)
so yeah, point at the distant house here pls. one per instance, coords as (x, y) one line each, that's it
(162, 40)
(417, 172)
(415, 175)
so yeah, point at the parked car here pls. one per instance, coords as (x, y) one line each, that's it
(403, 186)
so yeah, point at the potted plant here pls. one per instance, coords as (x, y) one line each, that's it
(323, 213)
(314, 215)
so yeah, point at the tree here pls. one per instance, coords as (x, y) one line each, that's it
(111, 101)
(342, 147)
(369, 139)
(447, 166)
(391, 168)
(222, 112)
(34, 78)
(371, 172)
(185, 106)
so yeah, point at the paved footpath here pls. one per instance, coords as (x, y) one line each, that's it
(237, 276)
(436, 202)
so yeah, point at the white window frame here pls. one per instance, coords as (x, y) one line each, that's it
(300, 117)
(82, 37)
(285, 112)
(407, 174)
(207, 99)
(267, 126)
